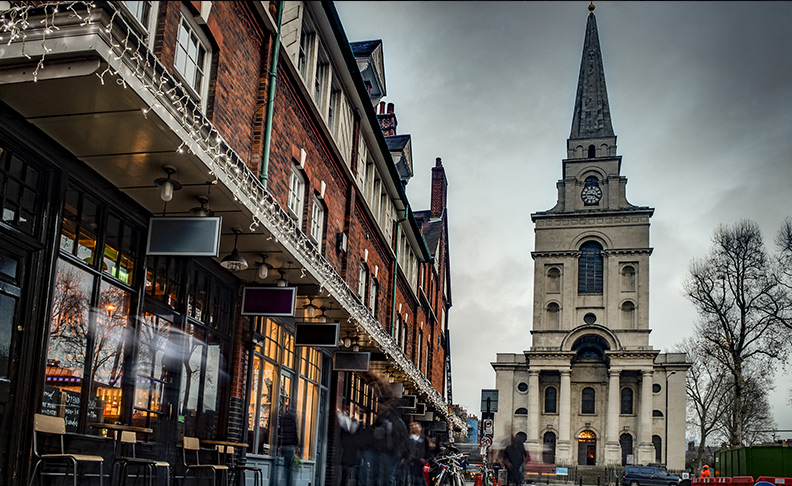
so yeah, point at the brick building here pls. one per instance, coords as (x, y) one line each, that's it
(187, 196)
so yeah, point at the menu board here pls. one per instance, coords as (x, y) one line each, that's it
(51, 401)
(71, 409)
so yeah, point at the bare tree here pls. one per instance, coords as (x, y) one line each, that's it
(740, 302)
(708, 390)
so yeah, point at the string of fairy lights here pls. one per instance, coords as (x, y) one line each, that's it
(127, 56)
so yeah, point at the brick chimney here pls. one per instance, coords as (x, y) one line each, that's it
(439, 189)
(387, 119)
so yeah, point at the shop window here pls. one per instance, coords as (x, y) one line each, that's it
(20, 183)
(590, 268)
(626, 401)
(91, 302)
(203, 382)
(307, 400)
(208, 302)
(152, 370)
(587, 397)
(193, 54)
(163, 279)
(551, 400)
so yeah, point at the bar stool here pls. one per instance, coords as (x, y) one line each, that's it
(128, 439)
(243, 468)
(47, 424)
(193, 445)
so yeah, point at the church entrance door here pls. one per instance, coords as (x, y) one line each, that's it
(587, 448)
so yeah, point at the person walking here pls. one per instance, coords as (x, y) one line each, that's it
(705, 472)
(418, 447)
(289, 444)
(514, 457)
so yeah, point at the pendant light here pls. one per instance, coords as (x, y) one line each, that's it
(202, 211)
(282, 282)
(235, 262)
(167, 185)
(263, 267)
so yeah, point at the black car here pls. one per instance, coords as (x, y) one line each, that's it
(648, 476)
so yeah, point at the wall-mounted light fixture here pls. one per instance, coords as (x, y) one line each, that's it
(167, 185)
(202, 210)
(234, 262)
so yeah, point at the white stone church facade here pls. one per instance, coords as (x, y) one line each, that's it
(591, 390)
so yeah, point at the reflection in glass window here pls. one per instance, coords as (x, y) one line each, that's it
(68, 336)
(202, 382)
(112, 314)
(265, 375)
(152, 370)
(20, 183)
(307, 400)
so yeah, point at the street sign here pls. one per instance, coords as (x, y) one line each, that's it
(488, 427)
(486, 441)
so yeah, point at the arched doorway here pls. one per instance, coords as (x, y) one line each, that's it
(548, 451)
(626, 443)
(587, 448)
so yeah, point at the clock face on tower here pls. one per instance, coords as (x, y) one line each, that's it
(591, 193)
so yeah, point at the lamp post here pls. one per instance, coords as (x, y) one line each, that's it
(665, 454)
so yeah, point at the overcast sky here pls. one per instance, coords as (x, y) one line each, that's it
(701, 102)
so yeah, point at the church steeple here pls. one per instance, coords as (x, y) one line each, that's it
(591, 120)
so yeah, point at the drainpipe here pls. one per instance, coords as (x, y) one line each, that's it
(273, 74)
(396, 266)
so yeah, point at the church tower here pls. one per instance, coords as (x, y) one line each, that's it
(591, 391)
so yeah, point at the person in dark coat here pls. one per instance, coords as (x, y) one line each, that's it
(289, 443)
(514, 457)
(350, 446)
(418, 446)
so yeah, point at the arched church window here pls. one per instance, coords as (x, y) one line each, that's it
(626, 443)
(626, 401)
(587, 400)
(657, 442)
(553, 313)
(554, 280)
(521, 411)
(551, 400)
(592, 151)
(590, 268)
(628, 278)
(628, 315)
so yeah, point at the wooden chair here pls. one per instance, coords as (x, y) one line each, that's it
(128, 440)
(242, 469)
(47, 424)
(193, 445)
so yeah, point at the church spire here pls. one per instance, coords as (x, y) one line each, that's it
(591, 118)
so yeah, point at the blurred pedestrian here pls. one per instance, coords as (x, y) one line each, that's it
(705, 472)
(514, 459)
(350, 447)
(289, 444)
(418, 455)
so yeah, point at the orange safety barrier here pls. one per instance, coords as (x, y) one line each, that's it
(742, 481)
(722, 480)
(774, 480)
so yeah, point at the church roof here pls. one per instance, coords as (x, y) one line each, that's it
(591, 117)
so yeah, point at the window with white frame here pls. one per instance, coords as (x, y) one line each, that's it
(306, 48)
(404, 336)
(143, 13)
(317, 222)
(192, 55)
(362, 278)
(332, 108)
(397, 329)
(419, 346)
(372, 304)
(296, 193)
(320, 79)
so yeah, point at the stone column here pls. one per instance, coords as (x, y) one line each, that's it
(564, 441)
(646, 452)
(533, 412)
(612, 449)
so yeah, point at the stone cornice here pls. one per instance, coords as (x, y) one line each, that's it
(576, 253)
(588, 218)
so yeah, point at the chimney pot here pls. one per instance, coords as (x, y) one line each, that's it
(438, 162)
(382, 107)
(390, 107)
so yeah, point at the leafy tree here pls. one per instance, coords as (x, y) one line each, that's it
(741, 303)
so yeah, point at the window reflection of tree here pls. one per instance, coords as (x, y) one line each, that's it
(70, 312)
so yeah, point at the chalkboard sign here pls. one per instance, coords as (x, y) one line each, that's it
(50, 401)
(95, 410)
(71, 409)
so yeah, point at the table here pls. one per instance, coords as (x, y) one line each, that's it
(121, 428)
(226, 444)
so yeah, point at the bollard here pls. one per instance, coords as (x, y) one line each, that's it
(581, 481)
(477, 481)
(598, 481)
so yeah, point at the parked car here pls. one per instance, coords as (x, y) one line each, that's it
(471, 471)
(648, 476)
